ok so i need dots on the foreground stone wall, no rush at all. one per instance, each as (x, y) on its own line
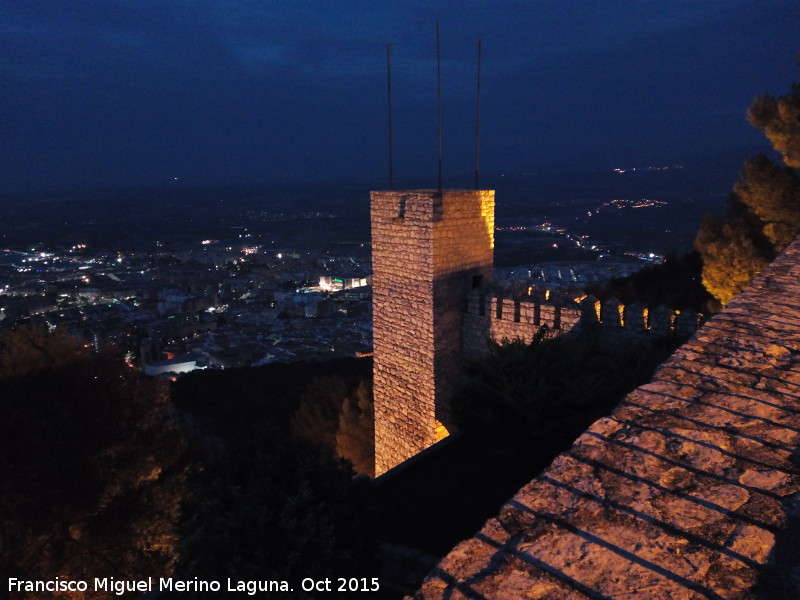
(690, 489)
(429, 249)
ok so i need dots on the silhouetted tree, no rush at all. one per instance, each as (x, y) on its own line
(232, 404)
(355, 438)
(29, 349)
(277, 509)
(91, 464)
(317, 417)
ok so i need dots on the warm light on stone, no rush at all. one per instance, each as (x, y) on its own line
(429, 250)
(441, 431)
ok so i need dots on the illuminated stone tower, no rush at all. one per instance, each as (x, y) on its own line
(429, 249)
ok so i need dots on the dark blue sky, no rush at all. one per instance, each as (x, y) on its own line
(223, 91)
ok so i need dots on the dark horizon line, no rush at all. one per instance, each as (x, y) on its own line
(378, 181)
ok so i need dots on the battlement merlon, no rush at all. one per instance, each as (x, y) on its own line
(457, 224)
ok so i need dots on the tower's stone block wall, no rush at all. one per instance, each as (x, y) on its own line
(429, 249)
(689, 489)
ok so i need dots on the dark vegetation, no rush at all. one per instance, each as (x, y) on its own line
(271, 499)
(544, 394)
(277, 508)
(92, 466)
(326, 403)
(341, 420)
(94, 470)
(232, 404)
(675, 283)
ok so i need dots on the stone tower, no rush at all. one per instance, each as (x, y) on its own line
(429, 250)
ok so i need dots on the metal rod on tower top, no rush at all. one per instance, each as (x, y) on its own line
(478, 120)
(389, 109)
(439, 100)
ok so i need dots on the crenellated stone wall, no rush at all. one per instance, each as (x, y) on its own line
(688, 490)
(491, 315)
(494, 315)
(429, 249)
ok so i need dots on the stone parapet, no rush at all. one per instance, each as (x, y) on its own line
(689, 489)
(492, 315)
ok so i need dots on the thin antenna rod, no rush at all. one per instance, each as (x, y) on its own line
(389, 110)
(439, 99)
(478, 121)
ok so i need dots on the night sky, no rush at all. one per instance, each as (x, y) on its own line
(99, 94)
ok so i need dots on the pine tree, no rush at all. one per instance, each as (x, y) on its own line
(778, 119)
(763, 214)
(771, 193)
(731, 259)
